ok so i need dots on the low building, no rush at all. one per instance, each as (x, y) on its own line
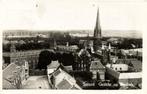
(130, 78)
(15, 74)
(66, 48)
(60, 79)
(134, 64)
(125, 79)
(118, 67)
(98, 70)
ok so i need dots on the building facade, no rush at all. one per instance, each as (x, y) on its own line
(98, 70)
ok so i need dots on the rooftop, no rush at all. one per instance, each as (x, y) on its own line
(9, 75)
(64, 84)
(130, 75)
(96, 65)
(10, 70)
(36, 82)
(54, 64)
(63, 80)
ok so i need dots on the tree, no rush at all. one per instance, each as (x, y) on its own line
(45, 58)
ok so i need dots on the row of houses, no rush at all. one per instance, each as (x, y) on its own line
(125, 75)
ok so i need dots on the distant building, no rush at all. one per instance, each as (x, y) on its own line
(31, 56)
(87, 44)
(67, 48)
(98, 70)
(114, 40)
(10, 34)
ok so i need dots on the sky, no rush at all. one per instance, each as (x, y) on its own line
(71, 14)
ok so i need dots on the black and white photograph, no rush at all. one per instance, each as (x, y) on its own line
(78, 45)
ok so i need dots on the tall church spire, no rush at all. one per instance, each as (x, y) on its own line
(97, 29)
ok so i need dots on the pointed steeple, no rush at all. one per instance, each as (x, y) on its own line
(97, 29)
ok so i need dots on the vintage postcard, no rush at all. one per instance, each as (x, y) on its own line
(72, 45)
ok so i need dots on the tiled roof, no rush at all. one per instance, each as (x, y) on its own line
(8, 75)
(63, 80)
(137, 65)
(10, 69)
(64, 84)
(7, 85)
(96, 65)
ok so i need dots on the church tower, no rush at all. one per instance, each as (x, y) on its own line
(97, 33)
(97, 29)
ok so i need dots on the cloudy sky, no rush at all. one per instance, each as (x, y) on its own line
(71, 14)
